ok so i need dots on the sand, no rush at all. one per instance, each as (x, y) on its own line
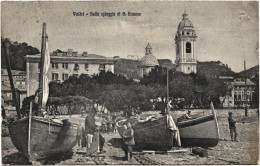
(246, 151)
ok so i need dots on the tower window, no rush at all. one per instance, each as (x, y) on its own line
(188, 47)
(182, 33)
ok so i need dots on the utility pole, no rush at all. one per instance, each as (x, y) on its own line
(245, 89)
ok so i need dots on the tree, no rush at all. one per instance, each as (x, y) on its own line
(17, 51)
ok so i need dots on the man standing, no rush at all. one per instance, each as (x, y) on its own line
(128, 138)
(95, 141)
(232, 127)
(90, 128)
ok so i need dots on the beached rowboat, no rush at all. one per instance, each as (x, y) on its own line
(152, 134)
(201, 131)
(48, 137)
(39, 137)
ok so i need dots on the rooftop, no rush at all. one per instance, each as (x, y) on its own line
(149, 60)
(185, 21)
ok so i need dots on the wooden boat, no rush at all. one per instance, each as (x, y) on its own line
(152, 134)
(47, 137)
(155, 132)
(202, 131)
(39, 137)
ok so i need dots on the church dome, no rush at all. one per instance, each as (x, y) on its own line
(149, 60)
(185, 22)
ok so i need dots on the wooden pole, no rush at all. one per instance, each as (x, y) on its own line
(7, 52)
(40, 90)
(245, 90)
(29, 130)
(167, 110)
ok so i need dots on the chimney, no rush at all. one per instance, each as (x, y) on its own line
(55, 53)
(70, 52)
(85, 53)
(75, 53)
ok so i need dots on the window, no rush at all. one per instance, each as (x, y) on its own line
(188, 68)
(76, 67)
(55, 76)
(55, 65)
(65, 65)
(101, 66)
(39, 66)
(144, 71)
(86, 66)
(188, 47)
(65, 77)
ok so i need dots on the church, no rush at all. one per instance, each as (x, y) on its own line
(185, 40)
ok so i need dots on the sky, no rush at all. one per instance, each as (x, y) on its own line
(227, 31)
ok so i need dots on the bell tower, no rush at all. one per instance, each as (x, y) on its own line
(185, 40)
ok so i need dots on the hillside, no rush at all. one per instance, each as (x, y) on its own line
(17, 53)
(251, 72)
(214, 69)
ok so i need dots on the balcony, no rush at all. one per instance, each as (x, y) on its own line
(188, 60)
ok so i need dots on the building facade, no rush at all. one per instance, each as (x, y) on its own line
(64, 65)
(148, 62)
(19, 79)
(239, 93)
(185, 40)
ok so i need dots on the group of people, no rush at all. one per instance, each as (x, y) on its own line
(91, 138)
(92, 135)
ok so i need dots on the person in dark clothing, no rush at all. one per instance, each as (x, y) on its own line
(232, 128)
(128, 141)
(92, 125)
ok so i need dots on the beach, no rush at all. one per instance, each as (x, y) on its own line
(246, 151)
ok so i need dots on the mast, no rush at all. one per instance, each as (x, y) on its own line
(245, 89)
(167, 110)
(7, 52)
(43, 48)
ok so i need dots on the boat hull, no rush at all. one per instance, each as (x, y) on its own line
(151, 135)
(202, 131)
(47, 137)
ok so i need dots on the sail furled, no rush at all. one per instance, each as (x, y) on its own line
(172, 126)
(45, 77)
